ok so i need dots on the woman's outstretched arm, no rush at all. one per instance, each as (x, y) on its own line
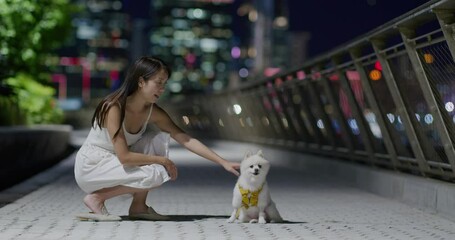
(165, 123)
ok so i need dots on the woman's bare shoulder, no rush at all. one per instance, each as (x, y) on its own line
(158, 113)
(113, 114)
(113, 108)
(158, 108)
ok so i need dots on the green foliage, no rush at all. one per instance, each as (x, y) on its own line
(29, 31)
(10, 113)
(35, 101)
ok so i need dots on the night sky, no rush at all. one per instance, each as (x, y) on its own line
(330, 22)
(334, 22)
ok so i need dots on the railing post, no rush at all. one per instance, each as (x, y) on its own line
(429, 95)
(303, 136)
(356, 112)
(272, 115)
(292, 89)
(235, 98)
(338, 114)
(259, 110)
(206, 109)
(255, 131)
(401, 107)
(304, 106)
(291, 130)
(227, 125)
(368, 90)
(446, 20)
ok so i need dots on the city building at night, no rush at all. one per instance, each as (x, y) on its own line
(94, 59)
(210, 45)
(195, 38)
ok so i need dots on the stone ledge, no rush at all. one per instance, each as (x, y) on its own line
(427, 194)
(26, 151)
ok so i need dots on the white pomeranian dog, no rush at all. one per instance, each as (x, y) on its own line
(251, 201)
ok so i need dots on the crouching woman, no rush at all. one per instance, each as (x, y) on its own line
(126, 151)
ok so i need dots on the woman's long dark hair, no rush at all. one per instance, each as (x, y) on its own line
(144, 67)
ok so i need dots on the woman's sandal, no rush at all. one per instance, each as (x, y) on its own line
(103, 217)
(151, 215)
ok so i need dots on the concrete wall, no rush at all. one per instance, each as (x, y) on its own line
(25, 151)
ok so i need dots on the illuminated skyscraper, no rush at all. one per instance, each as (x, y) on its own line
(93, 61)
(270, 46)
(194, 37)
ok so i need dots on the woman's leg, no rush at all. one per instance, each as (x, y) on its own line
(138, 205)
(95, 201)
(153, 142)
(140, 210)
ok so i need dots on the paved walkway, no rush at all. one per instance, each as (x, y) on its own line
(199, 201)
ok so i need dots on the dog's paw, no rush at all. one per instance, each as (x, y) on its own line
(253, 221)
(262, 220)
(230, 220)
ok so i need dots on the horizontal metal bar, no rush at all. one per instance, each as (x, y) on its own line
(433, 42)
(426, 35)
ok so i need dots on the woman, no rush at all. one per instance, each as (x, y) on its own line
(126, 149)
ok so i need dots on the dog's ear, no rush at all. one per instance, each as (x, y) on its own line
(259, 153)
(247, 154)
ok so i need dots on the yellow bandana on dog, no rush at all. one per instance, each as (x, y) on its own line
(249, 198)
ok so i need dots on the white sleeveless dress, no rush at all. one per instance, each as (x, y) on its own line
(97, 167)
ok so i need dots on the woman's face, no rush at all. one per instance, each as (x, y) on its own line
(152, 88)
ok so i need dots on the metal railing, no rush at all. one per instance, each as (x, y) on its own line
(385, 99)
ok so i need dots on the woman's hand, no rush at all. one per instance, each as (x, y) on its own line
(170, 168)
(231, 167)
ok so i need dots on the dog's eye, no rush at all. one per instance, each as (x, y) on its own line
(259, 166)
(251, 166)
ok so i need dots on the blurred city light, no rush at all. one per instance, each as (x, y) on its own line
(375, 75)
(428, 119)
(428, 57)
(209, 44)
(237, 109)
(186, 120)
(235, 52)
(243, 72)
(449, 106)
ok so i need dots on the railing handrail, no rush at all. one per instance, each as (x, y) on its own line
(385, 98)
(419, 13)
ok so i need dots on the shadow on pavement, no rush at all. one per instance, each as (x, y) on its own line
(190, 218)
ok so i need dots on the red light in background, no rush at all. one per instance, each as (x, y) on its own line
(268, 72)
(352, 75)
(378, 66)
(278, 81)
(334, 77)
